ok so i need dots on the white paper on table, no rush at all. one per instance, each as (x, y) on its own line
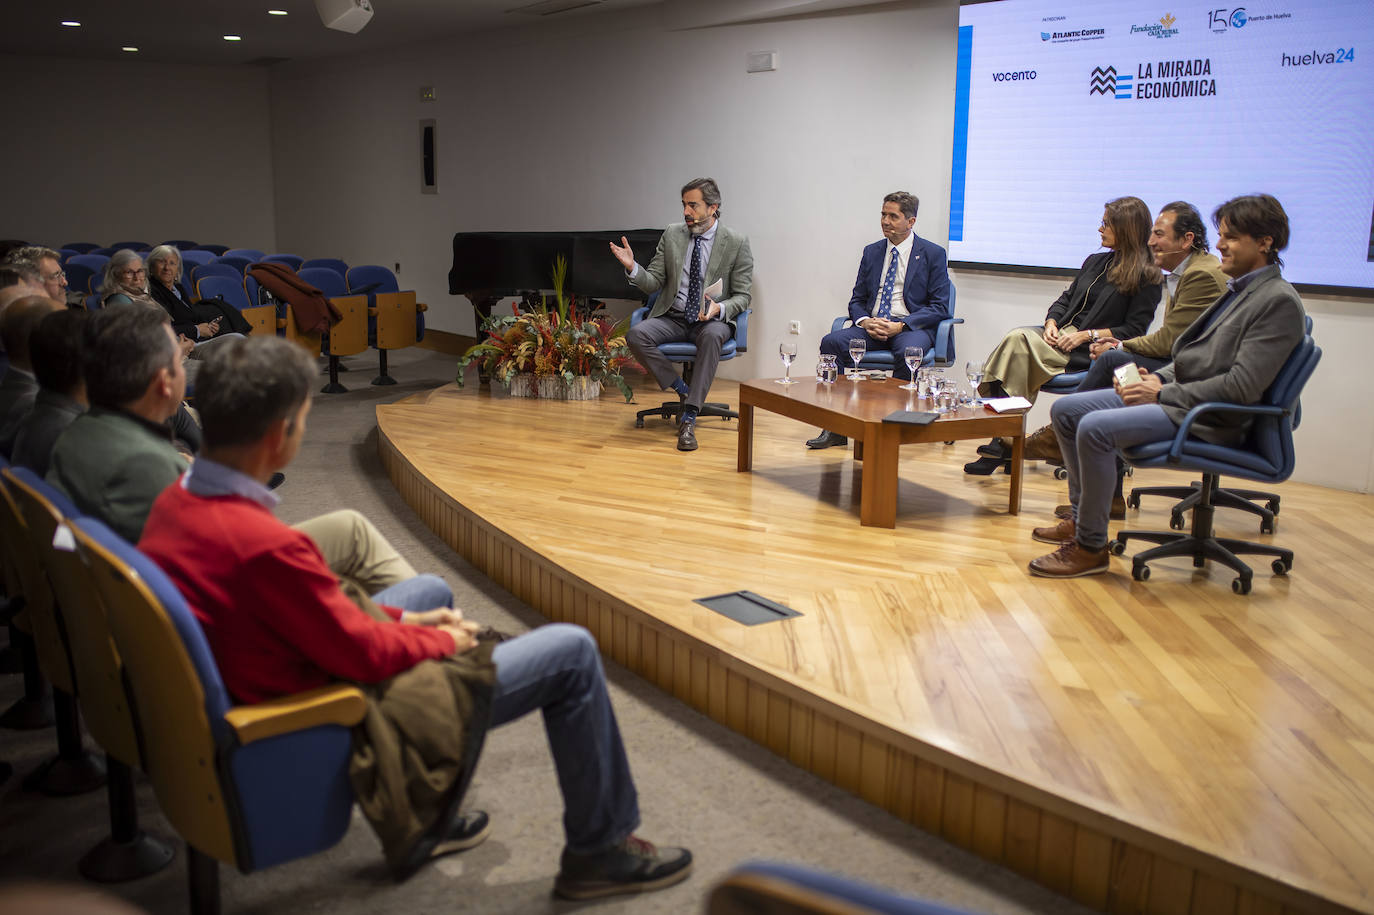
(1003, 404)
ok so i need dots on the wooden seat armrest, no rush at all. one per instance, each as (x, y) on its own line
(372, 311)
(421, 306)
(335, 704)
(281, 323)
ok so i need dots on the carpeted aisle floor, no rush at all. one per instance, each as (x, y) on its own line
(700, 785)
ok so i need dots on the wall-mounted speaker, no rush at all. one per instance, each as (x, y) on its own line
(344, 15)
(429, 178)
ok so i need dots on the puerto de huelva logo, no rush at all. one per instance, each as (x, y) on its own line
(1164, 28)
(1163, 79)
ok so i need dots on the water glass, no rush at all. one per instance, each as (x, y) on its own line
(857, 347)
(912, 356)
(788, 352)
(974, 370)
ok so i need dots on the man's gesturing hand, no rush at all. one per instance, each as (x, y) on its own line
(623, 253)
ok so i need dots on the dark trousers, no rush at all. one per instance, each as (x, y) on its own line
(708, 337)
(1100, 372)
(836, 343)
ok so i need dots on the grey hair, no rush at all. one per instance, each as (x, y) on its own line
(160, 254)
(710, 191)
(109, 284)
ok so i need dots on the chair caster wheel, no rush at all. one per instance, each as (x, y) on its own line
(1133, 501)
(1272, 505)
(1199, 562)
(1116, 547)
(639, 423)
(1266, 526)
(1140, 572)
(1241, 585)
(1176, 522)
(1281, 567)
(1060, 473)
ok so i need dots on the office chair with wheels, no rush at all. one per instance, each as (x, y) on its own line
(1267, 455)
(685, 354)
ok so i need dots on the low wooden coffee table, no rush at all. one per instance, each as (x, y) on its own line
(856, 409)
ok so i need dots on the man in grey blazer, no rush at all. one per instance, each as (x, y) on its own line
(1230, 353)
(691, 256)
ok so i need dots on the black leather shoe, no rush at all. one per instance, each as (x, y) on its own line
(995, 448)
(632, 866)
(687, 437)
(827, 439)
(987, 465)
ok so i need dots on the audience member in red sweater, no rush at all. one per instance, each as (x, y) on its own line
(278, 623)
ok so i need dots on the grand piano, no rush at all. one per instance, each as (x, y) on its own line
(489, 266)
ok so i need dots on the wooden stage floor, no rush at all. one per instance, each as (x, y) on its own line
(1165, 746)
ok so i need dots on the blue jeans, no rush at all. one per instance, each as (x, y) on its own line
(557, 669)
(1091, 426)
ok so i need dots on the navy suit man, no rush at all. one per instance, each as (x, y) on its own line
(900, 295)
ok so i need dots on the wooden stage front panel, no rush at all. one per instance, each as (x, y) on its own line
(1164, 746)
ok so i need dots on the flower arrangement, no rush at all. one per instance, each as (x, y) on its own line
(561, 343)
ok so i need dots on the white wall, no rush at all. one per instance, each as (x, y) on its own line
(597, 122)
(118, 151)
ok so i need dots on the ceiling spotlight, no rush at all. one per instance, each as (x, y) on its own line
(276, 12)
(233, 38)
(128, 49)
(71, 23)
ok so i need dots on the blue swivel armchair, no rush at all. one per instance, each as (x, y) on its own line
(1266, 456)
(686, 355)
(250, 785)
(942, 353)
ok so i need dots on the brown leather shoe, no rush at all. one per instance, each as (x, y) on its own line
(1116, 513)
(1060, 533)
(1071, 560)
(1042, 445)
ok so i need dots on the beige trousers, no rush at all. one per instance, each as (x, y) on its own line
(356, 551)
(1023, 361)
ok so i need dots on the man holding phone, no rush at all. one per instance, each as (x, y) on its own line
(1231, 353)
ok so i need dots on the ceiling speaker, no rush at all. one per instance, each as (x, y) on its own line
(344, 15)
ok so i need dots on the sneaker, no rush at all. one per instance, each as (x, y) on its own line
(466, 831)
(631, 866)
(1071, 560)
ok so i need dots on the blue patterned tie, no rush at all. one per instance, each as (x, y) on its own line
(693, 307)
(885, 301)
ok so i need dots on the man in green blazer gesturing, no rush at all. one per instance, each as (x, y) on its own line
(691, 257)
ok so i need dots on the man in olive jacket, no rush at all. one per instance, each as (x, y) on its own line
(692, 255)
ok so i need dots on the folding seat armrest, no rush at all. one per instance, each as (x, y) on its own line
(336, 704)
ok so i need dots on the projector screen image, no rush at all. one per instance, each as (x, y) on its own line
(1062, 105)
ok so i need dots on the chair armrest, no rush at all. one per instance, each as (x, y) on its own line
(742, 331)
(421, 306)
(839, 323)
(943, 339)
(335, 704)
(1215, 406)
(639, 314)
